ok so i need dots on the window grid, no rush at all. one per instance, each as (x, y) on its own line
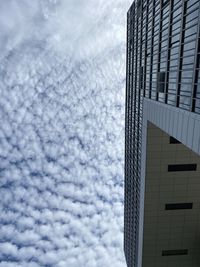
(194, 102)
(169, 51)
(180, 56)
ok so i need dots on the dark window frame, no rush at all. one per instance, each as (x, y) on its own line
(173, 140)
(179, 206)
(175, 252)
(182, 167)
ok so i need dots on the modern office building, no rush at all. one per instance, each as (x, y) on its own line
(162, 134)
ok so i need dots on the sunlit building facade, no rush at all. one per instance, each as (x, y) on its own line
(162, 134)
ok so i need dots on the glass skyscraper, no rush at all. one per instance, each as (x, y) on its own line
(162, 134)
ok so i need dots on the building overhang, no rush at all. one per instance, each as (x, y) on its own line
(182, 125)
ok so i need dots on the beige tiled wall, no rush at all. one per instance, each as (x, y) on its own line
(184, 126)
(174, 229)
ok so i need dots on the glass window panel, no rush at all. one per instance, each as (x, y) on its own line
(188, 60)
(187, 95)
(191, 30)
(192, 15)
(163, 68)
(185, 74)
(157, 7)
(184, 106)
(165, 11)
(161, 97)
(176, 31)
(165, 21)
(173, 80)
(188, 52)
(193, 6)
(162, 65)
(157, 16)
(177, 12)
(174, 56)
(187, 68)
(153, 94)
(175, 38)
(163, 56)
(198, 103)
(189, 45)
(164, 45)
(176, 25)
(191, 38)
(176, 19)
(197, 110)
(172, 86)
(174, 62)
(177, 4)
(173, 68)
(198, 90)
(190, 22)
(172, 74)
(174, 49)
(161, 81)
(165, 2)
(186, 80)
(186, 87)
(171, 99)
(171, 91)
(165, 32)
(155, 38)
(192, 2)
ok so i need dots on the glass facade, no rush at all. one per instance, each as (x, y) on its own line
(163, 62)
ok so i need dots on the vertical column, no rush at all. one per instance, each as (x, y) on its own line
(196, 70)
(168, 50)
(159, 44)
(145, 48)
(151, 52)
(180, 58)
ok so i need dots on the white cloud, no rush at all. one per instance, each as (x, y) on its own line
(62, 73)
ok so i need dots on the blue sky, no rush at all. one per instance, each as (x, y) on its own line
(62, 90)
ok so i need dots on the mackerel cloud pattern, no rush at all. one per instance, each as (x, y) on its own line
(62, 83)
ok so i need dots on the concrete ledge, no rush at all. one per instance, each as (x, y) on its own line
(181, 124)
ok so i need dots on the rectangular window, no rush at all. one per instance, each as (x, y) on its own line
(173, 140)
(174, 252)
(161, 82)
(139, 8)
(182, 167)
(178, 206)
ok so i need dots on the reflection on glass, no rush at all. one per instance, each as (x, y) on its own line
(171, 99)
(161, 97)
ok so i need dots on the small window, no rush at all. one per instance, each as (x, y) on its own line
(178, 206)
(182, 167)
(139, 3)
(161, 82)
(139, 7)
(174, 252)
(173, 140)
(165, 2)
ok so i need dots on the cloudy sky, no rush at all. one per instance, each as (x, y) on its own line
(62, 89)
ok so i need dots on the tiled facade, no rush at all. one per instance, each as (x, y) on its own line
(163, 87)
(171, 212)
